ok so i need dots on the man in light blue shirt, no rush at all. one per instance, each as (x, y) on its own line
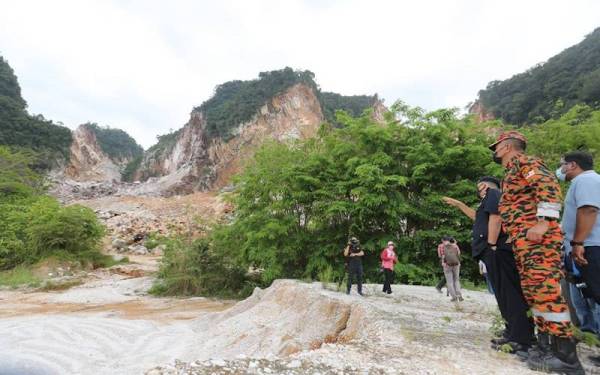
(580, 223)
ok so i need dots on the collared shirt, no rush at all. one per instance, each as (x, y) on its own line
(487, 207)
(529, 189)
(584, 191)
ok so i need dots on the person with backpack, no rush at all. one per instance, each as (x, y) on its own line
(449, 254)
(353, 254)
(388, 260)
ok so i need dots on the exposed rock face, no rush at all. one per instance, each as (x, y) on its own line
(480, 112)
(194, 162)
(88, 162)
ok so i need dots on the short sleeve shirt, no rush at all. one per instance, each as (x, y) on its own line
(487, 207)
(584, 191)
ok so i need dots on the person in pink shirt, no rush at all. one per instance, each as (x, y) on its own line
(388, 260)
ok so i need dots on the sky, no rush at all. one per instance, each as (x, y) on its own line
(143, 65)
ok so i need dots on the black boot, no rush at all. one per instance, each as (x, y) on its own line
(537, 350)
(562, 359)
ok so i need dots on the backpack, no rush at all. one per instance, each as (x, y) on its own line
(451, 256)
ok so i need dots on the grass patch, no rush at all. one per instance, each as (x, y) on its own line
(52, 286)
(469, 285)
(19, 276)
(446, 319)
(498, 324)
(588, 338)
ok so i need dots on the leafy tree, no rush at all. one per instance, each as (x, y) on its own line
(297, 205)
(34, 226)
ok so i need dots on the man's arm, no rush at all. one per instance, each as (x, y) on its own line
(547, 196)
(494, 226)
(346, 250)
(461, 206)
(586, 218)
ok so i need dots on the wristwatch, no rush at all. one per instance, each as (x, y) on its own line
(576, 243)
(493, 246)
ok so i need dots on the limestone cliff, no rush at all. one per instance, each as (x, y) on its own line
(88, 162)
(193, 161)
(480, 112)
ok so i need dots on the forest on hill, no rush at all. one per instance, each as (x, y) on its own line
(550, 89)
(18, 128)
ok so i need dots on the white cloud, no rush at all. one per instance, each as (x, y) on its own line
(142, 65)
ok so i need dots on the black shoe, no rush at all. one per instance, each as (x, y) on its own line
(389, 292)
(538, 349)
(561, 359)
(499, 341)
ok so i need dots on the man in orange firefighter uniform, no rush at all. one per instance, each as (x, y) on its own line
(530, 209)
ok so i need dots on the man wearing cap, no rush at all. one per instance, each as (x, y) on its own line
(529, 207)
(489, 246)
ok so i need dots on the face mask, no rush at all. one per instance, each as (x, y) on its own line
(497, 159)
(560, 174)
(481, 193)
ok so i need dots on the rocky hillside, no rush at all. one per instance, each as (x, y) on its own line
(100, 154)
(548, 89)
(196, 161)
(223, 132)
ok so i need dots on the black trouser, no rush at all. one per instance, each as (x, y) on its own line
(441, 283)
(355, 270)
(503, 274)
(590, 273)
(389, 278)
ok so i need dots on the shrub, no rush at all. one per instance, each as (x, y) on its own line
(73, 229)
(192, 268)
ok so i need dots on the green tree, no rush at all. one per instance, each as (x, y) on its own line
(296, 205)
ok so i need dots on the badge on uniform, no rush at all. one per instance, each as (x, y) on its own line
(530, 174)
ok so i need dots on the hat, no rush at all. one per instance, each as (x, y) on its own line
(354, 240)
(391, 243)
(513, 134)
(491, 179)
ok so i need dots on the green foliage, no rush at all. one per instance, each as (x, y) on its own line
(116, 143)
(19, 129)
(35, 226)
(131, 168)
(9, 86)
(576, 129)
(353, 105)
(192, 267)
(52, 228)
(296, 205)
(18, 276)
(550, 89)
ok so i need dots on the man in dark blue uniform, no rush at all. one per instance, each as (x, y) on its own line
(490, 245)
